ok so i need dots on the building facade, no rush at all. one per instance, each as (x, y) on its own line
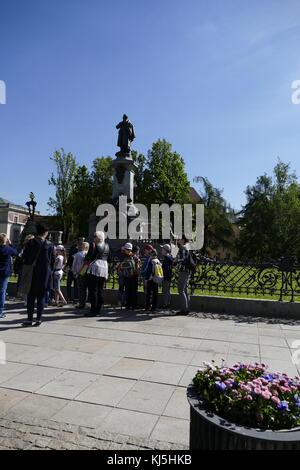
(12, 219)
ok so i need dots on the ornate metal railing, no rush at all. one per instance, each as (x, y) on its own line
(279, 280)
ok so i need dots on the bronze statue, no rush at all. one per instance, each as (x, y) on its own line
(125, 137)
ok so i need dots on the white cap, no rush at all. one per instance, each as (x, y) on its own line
(166, 247)
(127, 246)
(60, 247)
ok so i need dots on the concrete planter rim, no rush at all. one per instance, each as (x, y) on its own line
(281, 435)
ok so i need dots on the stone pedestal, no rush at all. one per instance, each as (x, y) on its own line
(123, 178)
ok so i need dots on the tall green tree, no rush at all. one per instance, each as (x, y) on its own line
(63, 181)
(90, 189)
(101, 181)
(81, 201)
(270, 219)
(164, 173)
(218, 215)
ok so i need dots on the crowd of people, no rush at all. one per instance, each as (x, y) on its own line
(40, 267)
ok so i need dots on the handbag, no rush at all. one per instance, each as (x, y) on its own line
(26, 277)
(84, 268)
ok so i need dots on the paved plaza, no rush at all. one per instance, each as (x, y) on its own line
(119, 381)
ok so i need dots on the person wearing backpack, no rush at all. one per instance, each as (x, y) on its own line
(184, 268)
(167, 266)
(153, 278)
(128, 269)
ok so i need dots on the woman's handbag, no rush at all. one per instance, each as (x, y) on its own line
(26, 277)
(84, 268)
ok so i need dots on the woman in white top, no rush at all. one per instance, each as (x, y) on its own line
(97, 272)
(60, 262)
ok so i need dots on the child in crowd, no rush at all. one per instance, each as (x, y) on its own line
(60, 262)
(78, 260)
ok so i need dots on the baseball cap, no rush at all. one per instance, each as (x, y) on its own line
(127, 246)
(60, 247)
(166, 247)
(148, 247)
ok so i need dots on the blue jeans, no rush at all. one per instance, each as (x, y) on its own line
(3, 287)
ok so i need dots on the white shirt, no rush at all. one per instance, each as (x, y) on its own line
(78, 261)
(59, 264)
(98, 268)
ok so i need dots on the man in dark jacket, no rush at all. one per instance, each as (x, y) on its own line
(183, 275)
(167, 266)
(6, 252)
(41, 252)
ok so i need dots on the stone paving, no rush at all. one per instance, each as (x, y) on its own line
(119, 381)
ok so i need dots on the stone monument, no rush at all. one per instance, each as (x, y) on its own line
(123, 180)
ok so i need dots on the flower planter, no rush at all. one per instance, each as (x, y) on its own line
(211, 432)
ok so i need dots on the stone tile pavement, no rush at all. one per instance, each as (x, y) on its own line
(119, 381)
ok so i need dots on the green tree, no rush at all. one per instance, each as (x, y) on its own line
(164, 173)
(63, 181)
(90, 189)
(101, 181)
(218, 215)
(81, 201)
(270, 220)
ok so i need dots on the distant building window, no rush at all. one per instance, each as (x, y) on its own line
(16, 219)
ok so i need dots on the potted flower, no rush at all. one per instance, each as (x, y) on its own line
(244, 407)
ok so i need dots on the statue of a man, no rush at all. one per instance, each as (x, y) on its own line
(125, 137)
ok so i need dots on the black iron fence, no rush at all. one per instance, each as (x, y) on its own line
(278, 280)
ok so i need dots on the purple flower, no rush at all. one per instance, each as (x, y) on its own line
(220, 385)
(283, 406)
(297, 401)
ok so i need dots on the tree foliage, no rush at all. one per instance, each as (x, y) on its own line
(63, 180)
(270, 220)
(218, 230)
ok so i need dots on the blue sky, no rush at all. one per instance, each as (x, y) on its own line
(212, 77)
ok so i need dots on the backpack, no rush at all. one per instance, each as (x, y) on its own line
(191, 262)
(158, 272)
(127, 268)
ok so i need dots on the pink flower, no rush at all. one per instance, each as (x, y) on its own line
(257, 391)
(266, 395)
(248, 397)
(275, 399)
